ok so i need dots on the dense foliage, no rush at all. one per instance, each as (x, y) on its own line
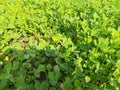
(59, 44)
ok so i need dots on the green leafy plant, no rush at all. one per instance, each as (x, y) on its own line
(59, 45)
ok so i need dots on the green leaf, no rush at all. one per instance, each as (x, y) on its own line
(8, 67)
(41, 68)
(51, 77)
(20, 82)
(15, 65)
(26, 56)
(52, 88)
(77, 84)
(49, 67)
(103, 44)
(113, 82)
(3, 84)
(67, 85)
(41, 85)
(56, 68)
(26, 65)
(37, 85)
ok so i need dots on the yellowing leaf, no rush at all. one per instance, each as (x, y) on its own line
(1, 52)
(89, 40)
(1, 63)
(11, 58)
(56, 37)
(42, 44)
(115, 34)
(6, 58)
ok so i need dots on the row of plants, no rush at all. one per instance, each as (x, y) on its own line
(59, 45)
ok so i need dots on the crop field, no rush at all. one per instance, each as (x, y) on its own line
(59, 44)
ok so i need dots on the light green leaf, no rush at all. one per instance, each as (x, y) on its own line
(115, 33)
(56, 37)
(87, 78)
(77, 84)
(56, 68)
(42, 44)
